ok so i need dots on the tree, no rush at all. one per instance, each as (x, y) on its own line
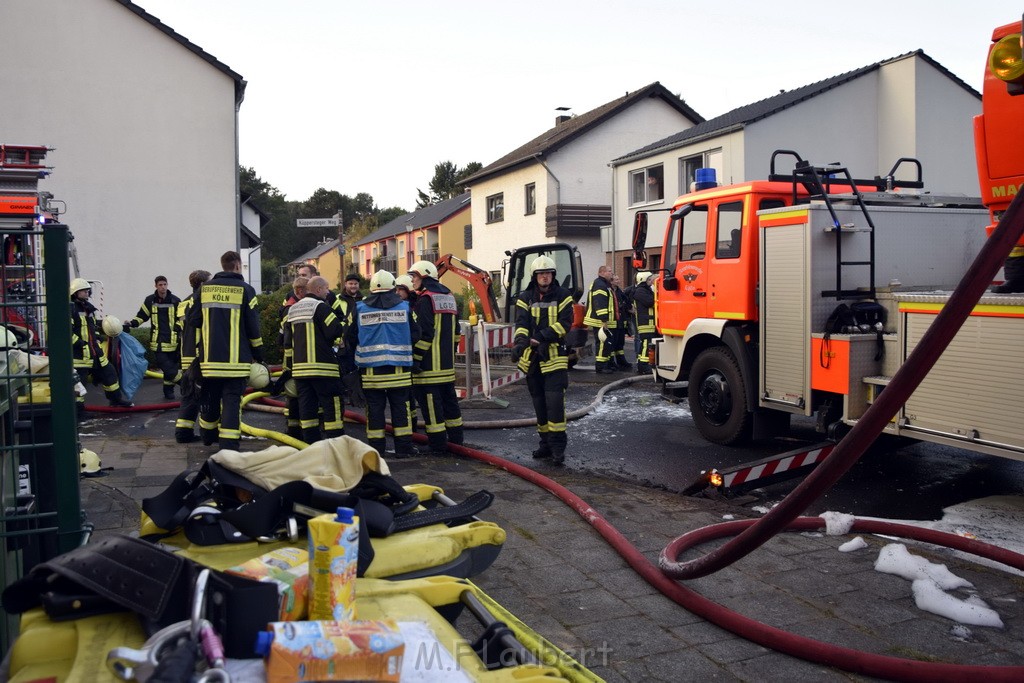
(446, 182)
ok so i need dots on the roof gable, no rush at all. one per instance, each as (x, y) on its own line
(421, 218)
(554, 138)
(240, 82)
(749, 113)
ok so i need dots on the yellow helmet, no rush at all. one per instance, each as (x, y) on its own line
(111, 326)
(259, 376)
(642, 276)
(404, 281)
(382, 281)
(78, 284)
(90, 463)
(424, 269)
(543, 264)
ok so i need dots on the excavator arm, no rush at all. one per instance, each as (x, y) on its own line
(480, 280)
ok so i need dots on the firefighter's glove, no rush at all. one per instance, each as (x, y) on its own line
(126, 326)
(519, 348)
(257, 354)
(543, 351)
(416, 362)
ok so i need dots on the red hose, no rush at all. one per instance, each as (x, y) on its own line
(170, 405)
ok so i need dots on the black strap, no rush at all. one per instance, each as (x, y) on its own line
(478, 502)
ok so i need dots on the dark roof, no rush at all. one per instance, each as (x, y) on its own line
(316, 252)
(421, 218)
(192, 47)
(551, 140)
(747, 114)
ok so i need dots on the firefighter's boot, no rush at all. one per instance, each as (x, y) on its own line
(379, 445)
(543, 451)
(169, 392)
(209, 436)
(557, 455)
(117, 400)
(1013, 271)
(184, 435)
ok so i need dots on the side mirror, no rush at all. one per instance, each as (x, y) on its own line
(670, 283)
(639, 239)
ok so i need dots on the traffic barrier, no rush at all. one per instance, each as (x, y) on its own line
(483, 338)
(773, 466)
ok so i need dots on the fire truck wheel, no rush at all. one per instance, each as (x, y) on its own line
(718, 397)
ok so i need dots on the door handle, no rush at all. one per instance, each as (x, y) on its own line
(700, 293)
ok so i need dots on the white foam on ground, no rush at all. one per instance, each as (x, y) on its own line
(837, 523)
(930, 581)
(855, 544)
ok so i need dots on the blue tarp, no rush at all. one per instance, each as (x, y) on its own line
(133, 364)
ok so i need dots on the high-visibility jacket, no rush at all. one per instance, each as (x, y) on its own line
(643, 308)
(187, 334)
(602, 305)
(546, 317)
(227, 316)
(437, 315)
(311, 330)
(85, 347)
(382, 332)
(162, 313)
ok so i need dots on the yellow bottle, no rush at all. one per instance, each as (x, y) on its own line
(333, 561)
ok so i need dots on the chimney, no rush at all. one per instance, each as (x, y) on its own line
(561, 118)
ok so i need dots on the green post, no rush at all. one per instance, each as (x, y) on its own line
(62, 386)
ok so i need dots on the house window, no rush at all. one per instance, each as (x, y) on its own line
(647, 185)
(531, 198)
(496, 207)
(688, 168)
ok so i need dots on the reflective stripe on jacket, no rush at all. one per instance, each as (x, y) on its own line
(311, 330)
(602, 306)
(161, 313)
(546, 318)
(438, 320)
(227, 313)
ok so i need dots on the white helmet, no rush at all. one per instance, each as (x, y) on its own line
(78, 284)
(291, 389)
(424, 269)
(259, 376)
(382, 281)
(111, 326)
(8, 340)
(404, 281)
(643, 276)
(543, 264)
(90, 462)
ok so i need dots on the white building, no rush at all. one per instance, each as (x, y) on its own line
(867, 119)
(557, 187)
(145, 135)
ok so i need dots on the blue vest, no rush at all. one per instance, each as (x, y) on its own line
(384, 336)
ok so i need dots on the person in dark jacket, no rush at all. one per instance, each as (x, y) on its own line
(543, 317)
(603, 317)
(433, 378)
(311, 331)
(381, 333)
(227, 317)
(291, 403)
(624, 314)
(188, 411)
(642, 298)
(161, 309)
(86, 351)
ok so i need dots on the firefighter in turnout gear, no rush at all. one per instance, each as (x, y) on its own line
(543, 317)
(434, 357)
(311, 331)
(603, 316)
(184, 427)
(381, 333)
(226, 315)
(161, 308)
(85, 347)
(291, 403)
(642, 296)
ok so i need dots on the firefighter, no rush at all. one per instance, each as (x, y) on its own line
(642, 296)
(1013, 272)
(161, 308)
(86, 350)
(543, 317)
(311, 331)
(602, 315)
(381, 333)
(624, 316)
(184, 427)
(291, 403)
(227, 315)
(433, 380)
(345, 306)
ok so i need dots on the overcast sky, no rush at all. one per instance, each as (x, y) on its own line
(367, 96)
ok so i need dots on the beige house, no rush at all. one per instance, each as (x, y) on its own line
(144, 126)
(557, 187)
(867, 119)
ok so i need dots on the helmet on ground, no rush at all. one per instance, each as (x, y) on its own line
(543, 264)
(90, 462)
(78, 284)
(111, 326)
(643, 276)
(382, 281)
(404, 281)
(259, 376)
(291, 389)
(8, 340)
(424, 269)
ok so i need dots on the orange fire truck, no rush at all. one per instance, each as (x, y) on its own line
(804, 293)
